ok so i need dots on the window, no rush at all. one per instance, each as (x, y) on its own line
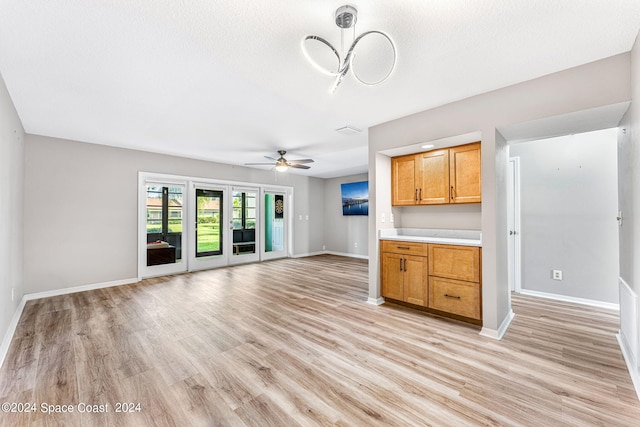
(244, 210)
(164, 216)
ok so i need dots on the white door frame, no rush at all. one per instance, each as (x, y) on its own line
(513, 221)
(287, 224)
(163, 269)
(247, 257)
(189, 183)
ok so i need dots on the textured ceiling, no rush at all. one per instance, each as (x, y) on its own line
(226, 80)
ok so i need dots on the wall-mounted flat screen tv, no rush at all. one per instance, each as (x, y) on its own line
(355, 198)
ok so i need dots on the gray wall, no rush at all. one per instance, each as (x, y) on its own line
(343, 232)
(569, 202)
(597, 84)
(11, 229)
(81, 206)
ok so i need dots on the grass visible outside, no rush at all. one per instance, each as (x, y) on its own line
(208, 237)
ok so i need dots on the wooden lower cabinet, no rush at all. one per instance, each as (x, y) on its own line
(455, 296)
(404, 278)
(446, 278)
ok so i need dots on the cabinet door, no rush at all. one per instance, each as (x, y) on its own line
(455, 262)
(403, 184)
(415, 280)
(433, 177)
(392, 276)
(465, 174)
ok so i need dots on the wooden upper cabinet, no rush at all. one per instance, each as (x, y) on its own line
(432, 177)
(403, 181)
(450, 175)
(465, 174)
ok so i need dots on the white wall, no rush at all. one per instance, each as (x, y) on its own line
(344, 232)
(81, 209)
(597, 84)
(569, 203)
(11, 208)
(629, 204)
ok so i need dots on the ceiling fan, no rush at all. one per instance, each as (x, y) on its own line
(283, 164)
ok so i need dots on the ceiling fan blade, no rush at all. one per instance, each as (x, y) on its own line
(253, 164)
(270, 158)
(300, 161)
(293, 165)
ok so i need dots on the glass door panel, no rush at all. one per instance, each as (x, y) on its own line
(244, 222)
(164, 224)
(208, 219)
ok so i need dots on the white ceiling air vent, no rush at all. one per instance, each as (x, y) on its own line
(348, 130)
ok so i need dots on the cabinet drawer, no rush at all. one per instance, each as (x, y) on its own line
(455, 262)
(409, 248)
(455, 296)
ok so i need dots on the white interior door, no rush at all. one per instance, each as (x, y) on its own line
(513, 223)
(243, 225)
(275, 224)
(163, 237)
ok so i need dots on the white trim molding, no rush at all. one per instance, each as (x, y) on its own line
(6, 342)
(81, 288)
(575, 300)
(347, 254)
(498, 334)
(628, 336)
(375, 301)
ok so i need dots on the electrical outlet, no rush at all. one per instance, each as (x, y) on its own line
(306, 217)
(382, 217)
(324, 248)
(556, 274)
(13, 294)
(391, 218)
(355, 245)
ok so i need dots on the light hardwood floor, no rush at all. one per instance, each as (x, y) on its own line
(293, 342)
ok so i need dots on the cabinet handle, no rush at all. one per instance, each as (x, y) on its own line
(451, 296)
(400, 264)
(405, 264)
(416, 194)
(403, 247)
(420, 198)
(451, 193)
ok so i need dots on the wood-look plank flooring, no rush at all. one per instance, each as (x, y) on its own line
(293, 342)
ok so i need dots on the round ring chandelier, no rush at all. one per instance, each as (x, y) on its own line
(346, 17)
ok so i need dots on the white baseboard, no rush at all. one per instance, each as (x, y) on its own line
(628, 335)
(497, 334)
(375, 301)
(565, 298)
(347, 255)
(6, 342)
(631, 365)
(82, 288)
(330, 253)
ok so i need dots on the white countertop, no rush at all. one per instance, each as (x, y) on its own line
(433, 235)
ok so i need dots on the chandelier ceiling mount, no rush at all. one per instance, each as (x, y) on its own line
(346, 17)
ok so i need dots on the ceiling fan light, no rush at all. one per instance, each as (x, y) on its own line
(282, 168)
